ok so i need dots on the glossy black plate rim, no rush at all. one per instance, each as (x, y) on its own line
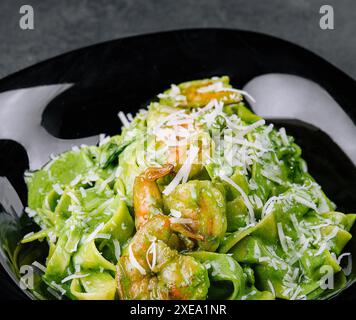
(341, 80)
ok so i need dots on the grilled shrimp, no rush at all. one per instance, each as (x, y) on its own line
(200, 92)
(147, 197)
(200, 209)
(200, 206)
(151, 267)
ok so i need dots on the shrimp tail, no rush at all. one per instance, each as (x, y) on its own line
(153, 174)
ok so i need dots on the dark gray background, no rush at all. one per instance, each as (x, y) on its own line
(63, 25)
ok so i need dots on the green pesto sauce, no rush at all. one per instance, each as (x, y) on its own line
(275, 229)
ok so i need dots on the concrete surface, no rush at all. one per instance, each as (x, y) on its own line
(65, 25)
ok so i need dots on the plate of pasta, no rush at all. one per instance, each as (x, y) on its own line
(203, 176)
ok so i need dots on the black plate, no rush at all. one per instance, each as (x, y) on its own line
(125, 74)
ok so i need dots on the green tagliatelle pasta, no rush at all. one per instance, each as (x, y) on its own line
(197, 198)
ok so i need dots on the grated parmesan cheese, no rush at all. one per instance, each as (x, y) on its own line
(282, 133)
(183, 173)
(181, 220)
(244, 197)
(152, 250)
(93, 235)
(75, 181)
(282, 237)
(73, 197)
(175, 213)
(39, 266)
(123, 119)
(74, 276)
(117, 249)
(271, 287)
(30, 212)
(134, 262)
(56, 187)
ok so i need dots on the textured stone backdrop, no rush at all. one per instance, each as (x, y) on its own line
(63, 25)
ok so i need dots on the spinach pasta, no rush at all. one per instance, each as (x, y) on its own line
(197, 198)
